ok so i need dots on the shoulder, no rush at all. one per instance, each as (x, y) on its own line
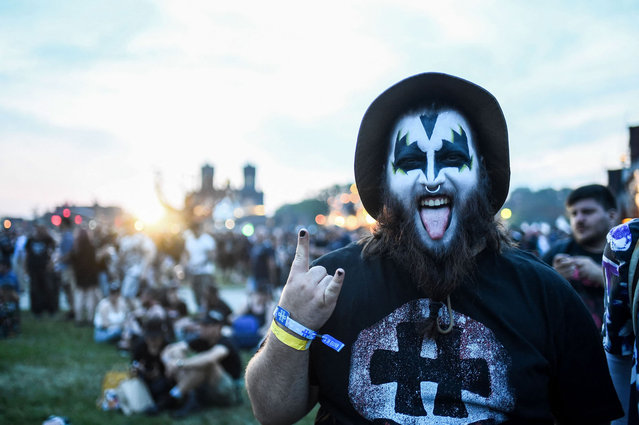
(523, 264)
(350, 255)
(529, 273)
(520, 259)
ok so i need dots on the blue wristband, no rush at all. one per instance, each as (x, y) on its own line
(283, 317)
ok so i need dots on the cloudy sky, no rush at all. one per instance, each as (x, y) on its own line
(99, 97)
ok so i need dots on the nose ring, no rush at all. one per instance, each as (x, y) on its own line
(435, 190)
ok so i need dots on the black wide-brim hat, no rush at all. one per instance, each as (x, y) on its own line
(476, 104)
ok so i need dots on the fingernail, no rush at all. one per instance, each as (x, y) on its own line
(340, 273)
(302, 233)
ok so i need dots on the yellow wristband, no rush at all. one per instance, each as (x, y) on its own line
(288, 339)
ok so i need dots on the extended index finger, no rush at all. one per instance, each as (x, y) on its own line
(300, 262)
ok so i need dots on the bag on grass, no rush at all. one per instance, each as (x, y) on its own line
(108, 399)
(134, 396)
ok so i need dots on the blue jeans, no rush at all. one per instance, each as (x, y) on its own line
(107, 334)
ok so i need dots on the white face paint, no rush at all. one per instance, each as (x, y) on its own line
(432, 169)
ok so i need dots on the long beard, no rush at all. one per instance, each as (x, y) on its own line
(438, 271)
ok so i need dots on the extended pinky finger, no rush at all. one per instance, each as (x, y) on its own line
(333, 286)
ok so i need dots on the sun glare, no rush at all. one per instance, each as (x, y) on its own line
(150, 213)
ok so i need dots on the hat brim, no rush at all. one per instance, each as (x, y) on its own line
(477, 105)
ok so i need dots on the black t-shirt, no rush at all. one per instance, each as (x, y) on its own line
(39, 250)
(523, 349)
(259, 258)
(232, 363)
(592, 296)
(151, 364)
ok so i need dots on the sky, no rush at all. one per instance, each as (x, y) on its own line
(99, 99)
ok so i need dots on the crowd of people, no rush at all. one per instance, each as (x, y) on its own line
(130, 287)
(155, 298)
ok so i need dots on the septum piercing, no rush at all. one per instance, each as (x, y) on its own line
(433, 191)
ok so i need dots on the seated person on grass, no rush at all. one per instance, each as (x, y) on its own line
(207, 369)
(147, 362)
(110, 315)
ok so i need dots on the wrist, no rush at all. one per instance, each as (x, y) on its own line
(284, 319)
(289, 339)
(300, 332)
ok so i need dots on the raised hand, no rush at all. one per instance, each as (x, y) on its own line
(310, 295)
(565, 266)
(588, 271)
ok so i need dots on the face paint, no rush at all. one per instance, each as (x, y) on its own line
(453, 153)
(431, 170)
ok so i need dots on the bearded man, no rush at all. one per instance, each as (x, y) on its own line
(435, 318)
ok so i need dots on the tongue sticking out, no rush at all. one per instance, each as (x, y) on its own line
(435, 221)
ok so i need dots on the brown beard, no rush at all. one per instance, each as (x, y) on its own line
(435, 272)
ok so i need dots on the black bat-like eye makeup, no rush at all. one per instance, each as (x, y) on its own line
(453, 152)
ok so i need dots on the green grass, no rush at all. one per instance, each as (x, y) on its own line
(55, 368)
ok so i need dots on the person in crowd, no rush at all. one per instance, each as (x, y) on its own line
(250, 324)
(7, 244)
(85, 270)
(592, 210)
(176, 310)
(199, 257)
(435, 317)
(135, 257)
(146, 362)
(620, 272)
(106, 256)
(262, 266)
(211, 300)
(534, 238)
(9, 300)
(187, 328)
(110, 316)
(64, 267)
(18, 259)
(43, 290)
(284, 254)
(207, 369)
(148, 306)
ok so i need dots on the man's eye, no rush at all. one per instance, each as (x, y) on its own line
(411, 163)
(454, 159)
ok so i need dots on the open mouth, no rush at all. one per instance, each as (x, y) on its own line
(434, 212)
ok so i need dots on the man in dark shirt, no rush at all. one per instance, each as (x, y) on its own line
(147, 362)
(593, 212)
(262, 266)
(435, 318)
(206, 369)
(43, 294)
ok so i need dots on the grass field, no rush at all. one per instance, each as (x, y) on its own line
(55, 368)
